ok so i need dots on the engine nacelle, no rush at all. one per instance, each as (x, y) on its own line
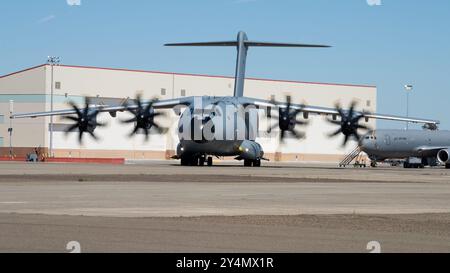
(444, 156)
(251, 150)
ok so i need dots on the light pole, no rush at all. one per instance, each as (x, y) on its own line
(408, 89)
(52, 61)
(10, 129)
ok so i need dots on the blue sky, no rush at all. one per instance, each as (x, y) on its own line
(389, 45)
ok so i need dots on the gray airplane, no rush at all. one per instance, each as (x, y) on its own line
(222, 126)
(419, 147)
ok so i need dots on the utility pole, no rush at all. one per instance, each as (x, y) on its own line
(408, 89)
(52, 61)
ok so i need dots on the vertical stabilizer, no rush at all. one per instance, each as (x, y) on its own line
(239, 78)
(243, 45)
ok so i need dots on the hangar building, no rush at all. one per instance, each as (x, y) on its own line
(30, 90)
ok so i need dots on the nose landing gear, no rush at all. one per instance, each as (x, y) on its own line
(208, 160)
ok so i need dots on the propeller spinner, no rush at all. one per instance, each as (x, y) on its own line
(143, 117)
(287, 121)
(85, 121)
(349, 123)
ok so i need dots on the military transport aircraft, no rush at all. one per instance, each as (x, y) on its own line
(222, 126)
(419, 147)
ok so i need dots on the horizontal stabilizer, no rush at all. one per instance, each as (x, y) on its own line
(242, 44)
(247, 43)
(269, 44)
(223, 43)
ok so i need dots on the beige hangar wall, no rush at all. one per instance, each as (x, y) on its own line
(27, 90)
(76, 82)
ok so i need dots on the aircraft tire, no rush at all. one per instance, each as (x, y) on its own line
(202, 161)
(257, 163)
(210, 161)
(194, 161)
(247, 163)
(447, 166)
(184, 161)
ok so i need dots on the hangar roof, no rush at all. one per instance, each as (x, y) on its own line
(185, 74)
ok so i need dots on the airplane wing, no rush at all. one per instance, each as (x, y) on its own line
(168, 104)
(431, 150)
(160, 104)
(332, 111)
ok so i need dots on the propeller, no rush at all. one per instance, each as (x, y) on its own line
(85, 120)
(349, 123)
(143, 117)
(287, 120)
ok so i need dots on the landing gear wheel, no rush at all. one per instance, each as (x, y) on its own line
(373, 164)
(184, 161)
(257, 163)
(447, 166)
(210, 161)
(194, 161)
(247, 163)
(202, 161)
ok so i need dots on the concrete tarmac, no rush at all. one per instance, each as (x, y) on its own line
(279, 207)
(303, 233)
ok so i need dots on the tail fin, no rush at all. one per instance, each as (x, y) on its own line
(242, 43)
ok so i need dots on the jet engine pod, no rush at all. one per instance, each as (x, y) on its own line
(444, 156)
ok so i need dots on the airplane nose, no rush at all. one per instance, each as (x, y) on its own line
(364, 143)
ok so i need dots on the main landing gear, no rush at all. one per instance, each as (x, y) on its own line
(196, 161)
(204, 160)
(254, 163)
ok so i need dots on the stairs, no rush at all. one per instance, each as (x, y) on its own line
(350, 157)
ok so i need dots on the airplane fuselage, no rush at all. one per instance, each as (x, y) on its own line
(389, 144)
(219, 126)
